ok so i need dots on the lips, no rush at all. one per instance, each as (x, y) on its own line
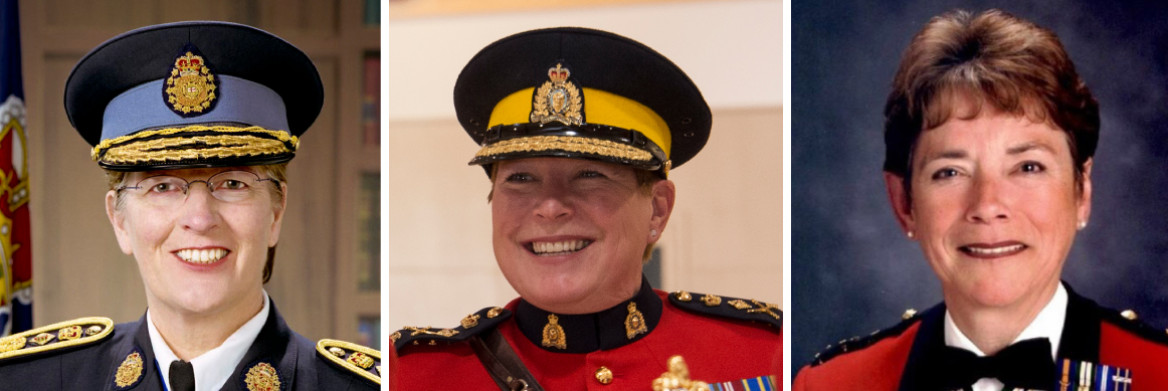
(993, 250)
(562, 247)
(201, 256)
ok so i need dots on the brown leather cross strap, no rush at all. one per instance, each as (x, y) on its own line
(502, 362)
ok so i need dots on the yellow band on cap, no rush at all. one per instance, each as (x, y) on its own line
(600, 108)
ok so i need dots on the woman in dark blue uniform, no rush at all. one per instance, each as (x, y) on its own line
(194, 123)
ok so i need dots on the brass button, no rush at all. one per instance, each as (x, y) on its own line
(1129, 315)
(604, 375)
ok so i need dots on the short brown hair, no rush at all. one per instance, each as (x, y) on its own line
(278, 171)
(993, 58)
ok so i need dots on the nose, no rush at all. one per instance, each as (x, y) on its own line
(554, 204)
(200, 210)
(987, 204)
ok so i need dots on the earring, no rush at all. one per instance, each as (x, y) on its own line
(910, 234)
(1082, 224)
(653, 233)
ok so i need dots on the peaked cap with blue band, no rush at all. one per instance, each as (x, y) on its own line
(193, 94)
(580, 93)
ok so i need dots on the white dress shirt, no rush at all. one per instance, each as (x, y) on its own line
(213, 368)
(1048, 324)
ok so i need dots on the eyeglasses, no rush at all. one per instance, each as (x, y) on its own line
(226, 186)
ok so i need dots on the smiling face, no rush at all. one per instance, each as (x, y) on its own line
(995, 206)
(569, 234)
(201, 256)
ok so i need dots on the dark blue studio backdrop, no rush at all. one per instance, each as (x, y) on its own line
(853, 271)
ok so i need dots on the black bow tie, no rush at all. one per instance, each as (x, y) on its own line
(1026, 364)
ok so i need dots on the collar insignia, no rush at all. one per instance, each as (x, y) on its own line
(262, 377)
(191, 87)
(129, 372)
(558, 99)
(553, 334)
(634, 322)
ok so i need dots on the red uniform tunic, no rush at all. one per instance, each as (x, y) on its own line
(899, 358)
(716, 345)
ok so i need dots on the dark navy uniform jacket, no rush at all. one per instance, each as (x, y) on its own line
(904, 357)
(94, 366)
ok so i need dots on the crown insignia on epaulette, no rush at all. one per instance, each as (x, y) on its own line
(61, 335)
(558, 99)
(355, 358)
(190, 88)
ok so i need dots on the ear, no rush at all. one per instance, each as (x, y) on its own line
(662, 194)
(1085, 193)
(278, 216)
(901, 202)
(118, 221)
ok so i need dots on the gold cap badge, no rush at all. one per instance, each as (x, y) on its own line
(558, 99)
(191, 88)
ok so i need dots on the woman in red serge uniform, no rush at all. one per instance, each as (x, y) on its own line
(990, 135)
(579, 129)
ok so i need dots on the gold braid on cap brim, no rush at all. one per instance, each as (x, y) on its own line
(573, 144)
(194, 142)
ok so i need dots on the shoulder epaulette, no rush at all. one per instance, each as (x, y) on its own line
(55, 337)
(729, 307)
(471, 325)
(1129, 321)
(856, 343)
(355, 358)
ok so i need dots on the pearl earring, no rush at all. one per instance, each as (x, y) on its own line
(653, 233)
(910, 234)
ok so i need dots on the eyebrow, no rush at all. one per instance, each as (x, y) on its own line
(1020, 149)
(1015, 150)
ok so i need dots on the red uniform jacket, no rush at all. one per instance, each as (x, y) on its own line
(903, 357)
(727, 341)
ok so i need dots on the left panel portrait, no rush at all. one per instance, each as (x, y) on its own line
(201, 186)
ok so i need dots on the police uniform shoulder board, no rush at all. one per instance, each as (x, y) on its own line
(729, 307)
(852, 344)
(358, 359)
(55, 337)
(472, 324)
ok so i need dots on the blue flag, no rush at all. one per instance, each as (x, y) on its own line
(15, 237)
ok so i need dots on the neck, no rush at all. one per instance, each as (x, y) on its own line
(992, 329)
(596, 302)
(189, 334)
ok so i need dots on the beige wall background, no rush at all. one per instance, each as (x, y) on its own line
(78, 269)
(725, 234)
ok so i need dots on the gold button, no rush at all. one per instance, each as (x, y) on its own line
(1129, 315)
(603, 375)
